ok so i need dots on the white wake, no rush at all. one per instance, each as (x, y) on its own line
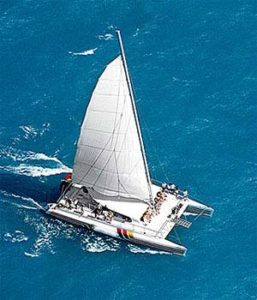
(35, 171)
(32, 164)
(20, 201)
(84, 53)
(138, 250)
(106, 37)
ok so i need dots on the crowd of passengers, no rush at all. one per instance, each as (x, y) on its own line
(71, 204)
(161, 197)
(155, 207)
(102, 212)
(174, 190)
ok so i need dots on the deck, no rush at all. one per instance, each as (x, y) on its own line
(160, 225)
(164, 223)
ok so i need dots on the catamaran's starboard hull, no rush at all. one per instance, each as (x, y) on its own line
(120, 233)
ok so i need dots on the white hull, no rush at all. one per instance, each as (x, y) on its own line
(117, 232)
(196, 208)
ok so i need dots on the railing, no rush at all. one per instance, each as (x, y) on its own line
(128, 226)
(183, 223)
(170, 222)
(165, 226)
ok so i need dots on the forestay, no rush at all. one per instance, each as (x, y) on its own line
(109, 156)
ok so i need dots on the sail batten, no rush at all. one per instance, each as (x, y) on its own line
(109, 155)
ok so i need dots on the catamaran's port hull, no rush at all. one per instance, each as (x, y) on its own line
(197, 208)
(120, 233)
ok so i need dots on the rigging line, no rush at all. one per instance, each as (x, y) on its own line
(126, 132)
(114, 128)
(126, 190)
(148, 134)
(118, 124)
(132, 169)
(117, 173)
(134, 112)
(103, 149)
(157, 156)
(94, 161)
(109, 158)
(116, 165)
(175, 231)
(111, 190)
(124, 137)
(128, 124)
(119, 182)
(161, 165)
(126, 101)
(151, 143)
(64, 192)
(100, 168)
(199, 214)
(125, 87)
(108, 140)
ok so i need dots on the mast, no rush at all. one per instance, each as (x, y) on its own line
(135, 112)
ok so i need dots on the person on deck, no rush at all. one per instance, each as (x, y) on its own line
(185, 194)
(164, 186)
(68, 176)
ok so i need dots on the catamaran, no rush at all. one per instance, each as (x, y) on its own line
(110, 190)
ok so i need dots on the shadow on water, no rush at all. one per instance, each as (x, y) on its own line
(42, 190)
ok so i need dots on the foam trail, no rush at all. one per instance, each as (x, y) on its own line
(96, 244)
(42, 156)
(17, 236)
(84, 53)
(137, 250)
(30, 163)
(136, 33)
(106, 37)
(23, 156)
(29, 131)
(30, 200)
(35, 171)
(19, 205)
(31, 254)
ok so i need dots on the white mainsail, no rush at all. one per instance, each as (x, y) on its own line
(109, 155)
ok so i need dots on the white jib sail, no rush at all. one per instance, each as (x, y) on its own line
(109, 156)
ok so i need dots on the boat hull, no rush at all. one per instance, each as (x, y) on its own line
(117, 232)
(197, 208)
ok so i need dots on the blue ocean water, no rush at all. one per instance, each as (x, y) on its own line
(193, 65)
